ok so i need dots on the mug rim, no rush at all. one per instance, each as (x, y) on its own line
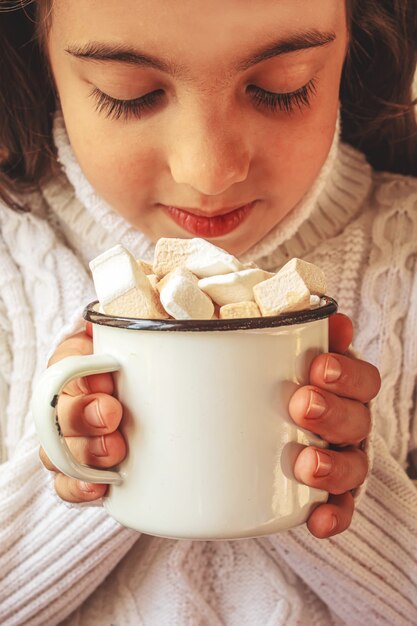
(287, 319)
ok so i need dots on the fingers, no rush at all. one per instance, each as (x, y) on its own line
(82, 343)
(89, 423)
(335, 471)
(346, 377)
(340, 333)
(72, 490)
(88, 416)
(338, 420)
(95, 414)
(105, 451)
(46, 461)
(333, 406)
(333, 517)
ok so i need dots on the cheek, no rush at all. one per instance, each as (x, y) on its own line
(119, 171)
(299, 148)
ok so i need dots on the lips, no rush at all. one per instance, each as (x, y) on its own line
(199, 224)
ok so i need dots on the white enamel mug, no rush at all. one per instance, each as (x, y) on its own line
(211, 446)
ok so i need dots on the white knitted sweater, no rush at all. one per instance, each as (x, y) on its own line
(77, 566)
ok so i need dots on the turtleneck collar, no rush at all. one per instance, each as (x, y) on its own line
(336, 196)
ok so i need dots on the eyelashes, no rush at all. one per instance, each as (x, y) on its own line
(134, 109)
(126, 109)
(287, 102)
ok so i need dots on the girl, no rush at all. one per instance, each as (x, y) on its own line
(266, 128)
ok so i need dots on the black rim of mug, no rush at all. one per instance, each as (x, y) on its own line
(328, 308)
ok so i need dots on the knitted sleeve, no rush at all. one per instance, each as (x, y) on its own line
(52, 557)
(368, 574)
(5, 366)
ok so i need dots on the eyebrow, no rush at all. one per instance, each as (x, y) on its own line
(101, 51)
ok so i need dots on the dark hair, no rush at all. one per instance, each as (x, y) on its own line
(27, 103)
(378, 110)
(378, 114)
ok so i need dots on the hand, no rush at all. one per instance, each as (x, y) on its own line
(334, 407)
(89, 417)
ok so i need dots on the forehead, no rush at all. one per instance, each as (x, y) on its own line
(191, 27)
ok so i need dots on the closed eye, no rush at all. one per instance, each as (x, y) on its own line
(286, 102)
(126, 109)
(113, 108)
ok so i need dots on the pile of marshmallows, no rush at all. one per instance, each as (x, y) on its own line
(193, 279)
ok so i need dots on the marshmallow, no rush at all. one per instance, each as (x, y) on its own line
(200, 281)
(145, 266)
(197, 255)
(312, 275)
(122, 287)
(216, 314)
(282, 294)
(315, 301)
(182, 298)
(234, 287)
(153, 279)
(290, 289)
(250, 265)
(114, 273)
(137, 304)
(239, 310)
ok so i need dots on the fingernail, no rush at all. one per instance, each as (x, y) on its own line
(97, 446)
(332, 371)
(316, 405)
(333, 524)
(324, 464)
(93, 416)
(85, 486)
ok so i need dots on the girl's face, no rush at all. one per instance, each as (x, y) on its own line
(200, 105)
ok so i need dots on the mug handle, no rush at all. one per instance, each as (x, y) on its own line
(44, 401)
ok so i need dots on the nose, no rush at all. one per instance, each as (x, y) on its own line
(209, 154)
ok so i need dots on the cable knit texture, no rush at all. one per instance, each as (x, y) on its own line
(76, 566)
